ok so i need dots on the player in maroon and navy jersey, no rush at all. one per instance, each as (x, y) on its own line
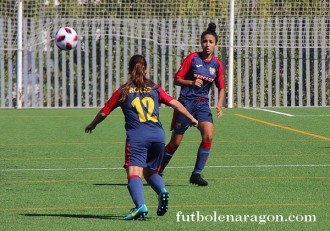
(198, 71)
(139, 99)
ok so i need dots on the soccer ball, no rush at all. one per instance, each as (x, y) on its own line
(66, 38)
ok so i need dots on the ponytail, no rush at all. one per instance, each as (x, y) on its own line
(137, 69)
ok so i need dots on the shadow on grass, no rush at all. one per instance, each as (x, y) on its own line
(146, 185)
(111, 184)
(83, 216)
(177, 185)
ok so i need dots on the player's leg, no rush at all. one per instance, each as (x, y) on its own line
(135, 188)
(178, 127)
(204, 115)
(135, 185)
(206, 130)
(155, 156)
(134, 164)
(157, 184)
(170, 149)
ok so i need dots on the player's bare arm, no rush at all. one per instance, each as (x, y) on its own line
(220, 102)
(176, 105)
(98, 119)
(186, 83)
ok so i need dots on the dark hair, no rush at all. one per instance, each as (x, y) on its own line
(137, 67)
(210, 30)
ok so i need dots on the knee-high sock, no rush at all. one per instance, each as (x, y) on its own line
(169, 151)
(135, 188)
(156, 182)
(202, 156)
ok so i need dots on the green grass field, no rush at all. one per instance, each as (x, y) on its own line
(264, 165)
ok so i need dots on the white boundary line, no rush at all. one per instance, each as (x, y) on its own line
(312, 115)
(179, 167)
(275, 112)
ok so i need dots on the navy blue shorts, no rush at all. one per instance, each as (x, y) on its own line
(200, 109)
(144, 154)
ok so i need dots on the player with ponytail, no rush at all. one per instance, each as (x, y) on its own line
(139, 99)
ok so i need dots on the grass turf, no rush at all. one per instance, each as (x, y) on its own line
(53, 176)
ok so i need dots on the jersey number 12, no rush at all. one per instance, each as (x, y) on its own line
(148, 103)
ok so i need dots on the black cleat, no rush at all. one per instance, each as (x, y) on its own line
(197, 179)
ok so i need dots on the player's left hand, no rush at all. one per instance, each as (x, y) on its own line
(219, 111)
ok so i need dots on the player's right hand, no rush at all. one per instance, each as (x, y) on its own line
(194, 123)
(89, 128)
(197, 83)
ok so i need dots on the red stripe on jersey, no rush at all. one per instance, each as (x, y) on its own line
(112, 102)
(185, 66)
(206, 145)
(164, 97)
(221, 79)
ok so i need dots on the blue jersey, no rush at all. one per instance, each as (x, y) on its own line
(141, 111)
(194, 67)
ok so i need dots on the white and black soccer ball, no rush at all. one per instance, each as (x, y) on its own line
(66, 38)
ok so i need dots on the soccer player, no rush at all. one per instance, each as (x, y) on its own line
(197, 73)
(139, 99)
